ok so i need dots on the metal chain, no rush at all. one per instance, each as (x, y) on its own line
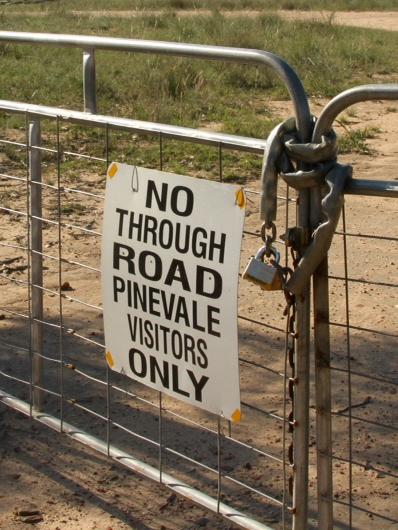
(290, 313)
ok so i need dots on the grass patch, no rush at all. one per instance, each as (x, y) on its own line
(356, 141)
(339, 5)
(327, 58)
(193, 93)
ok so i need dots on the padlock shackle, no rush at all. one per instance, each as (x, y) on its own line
(263, 251)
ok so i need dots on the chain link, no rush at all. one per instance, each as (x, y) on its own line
(290, 313)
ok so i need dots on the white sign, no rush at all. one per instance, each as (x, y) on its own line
(170, 263)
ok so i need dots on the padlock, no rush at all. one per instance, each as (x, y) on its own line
(265, 274)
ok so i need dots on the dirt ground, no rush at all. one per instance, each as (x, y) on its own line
(72, 487)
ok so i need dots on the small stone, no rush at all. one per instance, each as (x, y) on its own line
(202, 521)
(66, 286)
(25, 512)
(32, 519)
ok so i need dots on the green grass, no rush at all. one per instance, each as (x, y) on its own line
(196, 93)
(327, 58)
(355, 141)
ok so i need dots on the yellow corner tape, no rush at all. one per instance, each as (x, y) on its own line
(236, 416)
(240, 198)
(109, 359)
(113, 170)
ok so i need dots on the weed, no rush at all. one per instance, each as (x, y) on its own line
(355, 141)
(69, 208)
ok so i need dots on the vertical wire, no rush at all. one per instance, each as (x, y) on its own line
(219, 485)
(160, 437)
(161, 151)
(29, 251)
(61, 320)
(220, 177)
(348, 338)
(108, 410)
(108, 382)
(106, 146)
(220, 162)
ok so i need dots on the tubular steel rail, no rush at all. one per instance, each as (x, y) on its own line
(39, 221)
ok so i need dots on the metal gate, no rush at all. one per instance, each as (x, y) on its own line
(52, 364)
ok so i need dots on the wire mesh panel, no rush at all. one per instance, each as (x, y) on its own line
(363, 304)
(52, 363)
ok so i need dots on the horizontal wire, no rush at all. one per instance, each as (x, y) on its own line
(13, 378)
(86, 375)
(370, 512)
(46, 358)
(17, 247)
(254, 490)
(263, 324)
(81, 155)
(53, 151)
(367, 330)
(83, 192)
(45, 185)
(134, 434)
(257, 365)
(15, 313)
(189, 459)
(10, 142)
(74, 403)
(367, 236)
(46, 323)
(257, 409)
(367, 376)
(62, 295)
(65, 260)
(6, 176)
(49, 291)
(86, 339)
(364, 420)
(360, 280)
(364, 466)
(280, 198)
(12, 279)
(134, 396)
(65, 225)
(15, 346)
(15, 212)
(47, 390)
